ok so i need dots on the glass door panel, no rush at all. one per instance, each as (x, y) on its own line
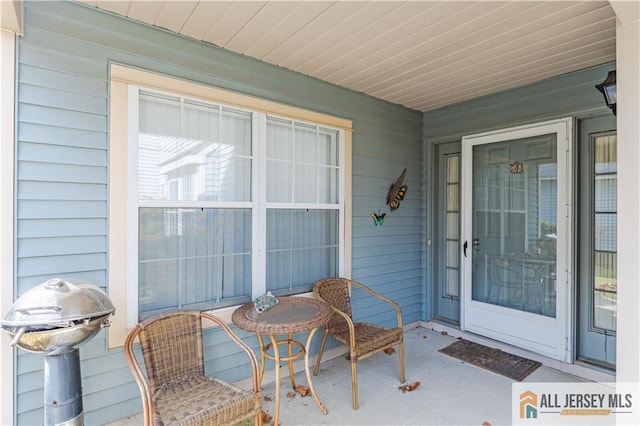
(514, 213)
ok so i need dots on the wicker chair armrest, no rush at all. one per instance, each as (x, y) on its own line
(352, 330)
(252, 357)
(138, 375)
(347, 318)
(377, 295)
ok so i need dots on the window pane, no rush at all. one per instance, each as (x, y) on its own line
(280, 137)
(605, 193)
(452, 288)
(305, 143)
(193, 258)
(302, 247)
(453, 197)
(453, 226)
(452, 259)
(302, 163)
(605, 222)
(604, 309)
(605, 232)
(452, 167)
(201, 122)
(605, 155)
(279, 181)
(605, 291)
(328, 147)
(328, 185)
(159, 128)
(193, 151)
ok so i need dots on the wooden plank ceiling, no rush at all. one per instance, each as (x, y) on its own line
(421, 54)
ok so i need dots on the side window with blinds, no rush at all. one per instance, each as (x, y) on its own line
(605, 227)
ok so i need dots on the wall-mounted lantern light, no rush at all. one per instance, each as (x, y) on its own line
(608, 90)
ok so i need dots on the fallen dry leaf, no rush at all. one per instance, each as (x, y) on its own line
(389, 351)
(486, 424)
(303, 390)
(409, 387)
(291, 395)
(266, 417)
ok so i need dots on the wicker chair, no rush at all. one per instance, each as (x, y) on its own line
(363, 339)
(177, 392)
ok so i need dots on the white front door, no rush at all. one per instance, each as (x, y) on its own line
(516, 236)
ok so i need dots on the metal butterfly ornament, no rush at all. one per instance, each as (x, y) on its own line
(378, 219)
(397, 192)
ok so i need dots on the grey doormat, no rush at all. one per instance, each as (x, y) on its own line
(509, 365)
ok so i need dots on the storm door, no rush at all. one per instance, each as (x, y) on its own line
(516, 234)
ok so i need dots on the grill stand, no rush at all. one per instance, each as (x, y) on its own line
(54, 318)
(63, 389)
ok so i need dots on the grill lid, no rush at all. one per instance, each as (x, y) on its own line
(58, 303)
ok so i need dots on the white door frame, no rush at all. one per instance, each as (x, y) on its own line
(544, 335)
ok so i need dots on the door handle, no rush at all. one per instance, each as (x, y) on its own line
(464, 248)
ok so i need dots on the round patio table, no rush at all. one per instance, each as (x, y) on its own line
(291, 315)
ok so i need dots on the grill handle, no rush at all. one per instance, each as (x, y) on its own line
(18, 335)
(40, 310)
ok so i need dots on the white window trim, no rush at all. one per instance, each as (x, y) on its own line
(122, 264)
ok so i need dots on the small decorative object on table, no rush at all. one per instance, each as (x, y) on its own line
(264, 302)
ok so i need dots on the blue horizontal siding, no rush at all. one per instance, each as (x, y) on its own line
(63, 99)
(38, 190)
(54, 135)
(61, 264)
(62, 81)
(38, 114)
(65, 155)
(42, 209)
(47, 228)
(55, 172)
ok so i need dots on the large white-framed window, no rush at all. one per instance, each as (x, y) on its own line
(224, 197)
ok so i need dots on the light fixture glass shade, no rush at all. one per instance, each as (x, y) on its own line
(610, 94)
(608, 89)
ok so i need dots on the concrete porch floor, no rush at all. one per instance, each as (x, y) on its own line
(450, 392)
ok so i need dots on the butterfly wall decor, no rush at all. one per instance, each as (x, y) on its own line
(516, 167)
(378, 219)
(397, 192)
